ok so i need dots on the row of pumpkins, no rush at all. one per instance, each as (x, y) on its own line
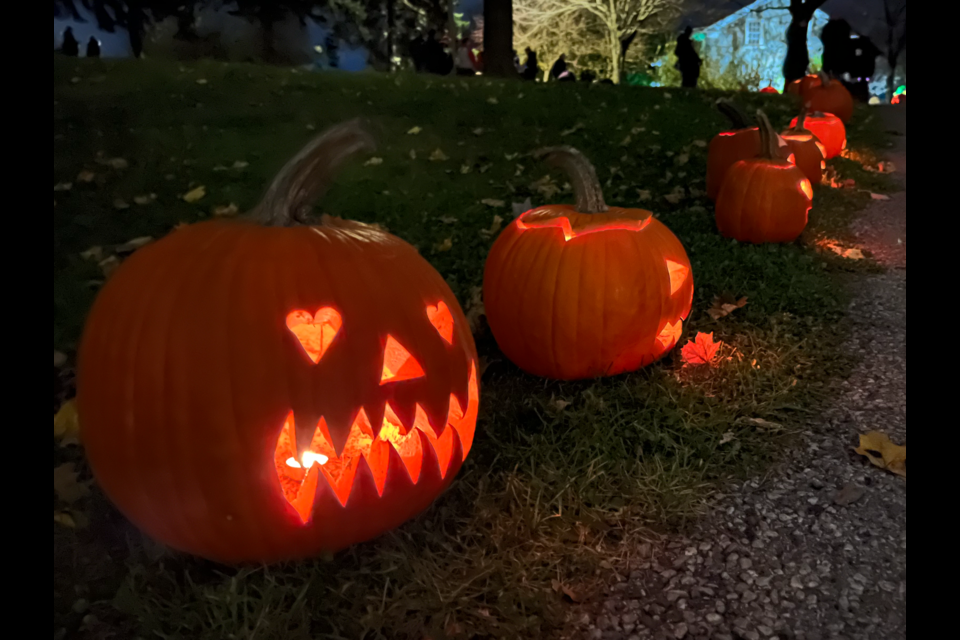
(267, 388)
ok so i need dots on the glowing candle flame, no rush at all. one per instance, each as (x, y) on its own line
(309, 459)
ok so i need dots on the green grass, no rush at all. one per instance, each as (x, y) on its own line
(551, 495)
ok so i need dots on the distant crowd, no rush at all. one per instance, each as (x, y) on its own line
(71, 47)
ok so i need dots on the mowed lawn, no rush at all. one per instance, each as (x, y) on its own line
(565, 479)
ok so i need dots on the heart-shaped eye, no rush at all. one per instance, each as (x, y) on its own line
(442, 320)
(315, 332)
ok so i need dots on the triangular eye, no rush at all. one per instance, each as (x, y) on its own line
(398, 364)
(678, 275)
(315, 332)
(442, 320)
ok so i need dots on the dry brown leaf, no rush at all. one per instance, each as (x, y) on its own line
(59, 359)
(65, 484)
(65, 422)
(373, 162)
(878, 196)
(490, 202)
(729, 436)
(444, 246)
(626, 141)
(494, 227)
(700, 143)
(478, 131)
(572, 129)
(476, 310)
(883, 453)
(114, 163)
(120, 204)
(132, 245)
(509, 157)
(86, 177)
(64, 519)
(643, 195)
(93, 253)
(438, 156)
(449, 220)
(546, 187)
(414, 131)
(465, 169)
(493, 101)
(760, 423)
(240, 164)
(565, 590)
(675, 196)
(725, 304)
(226, 211)
(109, 265)
(682, 159)
(520, 208)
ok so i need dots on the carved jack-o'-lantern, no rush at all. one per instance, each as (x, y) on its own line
(587, 290)
(265, 389)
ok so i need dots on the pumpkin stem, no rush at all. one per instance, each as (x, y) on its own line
(801, 121)
(769, 143)
(734, 114)
(582, 175)
(305, 178)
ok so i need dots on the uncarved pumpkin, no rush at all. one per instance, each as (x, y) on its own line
(740, 142)
(808, 151)
(830, 97)
(803, 85)
(266, 389)
(829, 130)
(765, 199)
(588, 290)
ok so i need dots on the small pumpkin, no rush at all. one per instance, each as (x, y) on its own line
(770, 90)
(830, 97)
(588, 290)
(801, 86)
(829, 130)
(764, 199)
(266, 389)
(740, 142)
(808, 151)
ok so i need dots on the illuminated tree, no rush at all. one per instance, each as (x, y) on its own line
(612, 24)
(798, 57)
(895, 16)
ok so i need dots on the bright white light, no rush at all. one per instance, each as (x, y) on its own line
(309, 459)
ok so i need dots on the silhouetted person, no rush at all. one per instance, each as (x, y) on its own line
(531, 68)
(798, 59)
(588, 76)
(93, 48)
(559, 67)
(70, 46)
(688, 61)
(837, 48)
(435, 58)
(862, 67)
(416, 52)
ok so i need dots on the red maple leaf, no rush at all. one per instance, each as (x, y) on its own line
(701, 351)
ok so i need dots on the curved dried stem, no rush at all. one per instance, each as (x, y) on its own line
(582, 175)
(769, 144)
(304, 179)
(734, 114)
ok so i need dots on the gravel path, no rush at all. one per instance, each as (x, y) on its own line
(818, 549)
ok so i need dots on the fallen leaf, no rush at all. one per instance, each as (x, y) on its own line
(760, 423)
(132, 245)
(65, 483)
(493, 203)
(882, 453)
(560, 404)
(63, 186)
(493, 101)
(485, 168)
(675, 196)
(109, 265)
(520, 208)
(145, 200)
(849, 494)
(201, 81)
(702, 350)
(878, 196)
(643, 194)
(725, 304)
(414, 131)
(86, 177)
(478, 131)
(729, 436)
(853, 254)
(444, 246)
(475, 310)
(240, 164)
(494, 227)
(373, 162)
(195, 195)
(64, 519)
(114, 163)
(509, 157)
(626, 141)
(563, 589)
(545, 186)
(637, 130)
(449, 220)
(413, 154)
(59, 359)
(465, 169)
(700, 143)
(682, 159)
(572, 129)
(438, 156)
(226, 211)
(120, 204)
(93, 253)
(66, 422)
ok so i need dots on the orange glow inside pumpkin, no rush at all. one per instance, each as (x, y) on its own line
(569, 233)
(398, 364)
(670, 334)
(299, 478)
(442, 320)
(315, 332)
(806, 188)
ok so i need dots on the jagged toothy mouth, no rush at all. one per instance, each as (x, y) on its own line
(300, 475)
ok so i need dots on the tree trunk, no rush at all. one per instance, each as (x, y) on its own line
(798, 57)
(498, 39)
(615, 49)
(135, 20)
(454, 36)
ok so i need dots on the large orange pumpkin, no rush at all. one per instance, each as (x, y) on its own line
(829, 130)
(266, 389)
(830, 97)
(740, 142)
(765, 199)
(808, 151)
(588, 290)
